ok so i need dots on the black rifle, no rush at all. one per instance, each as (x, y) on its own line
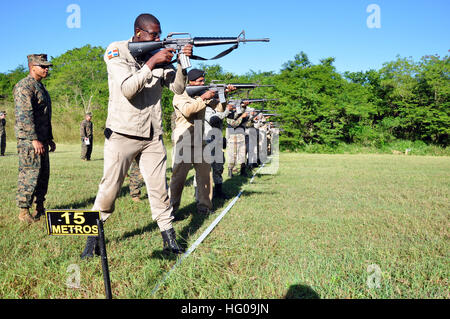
(237, 104)
(197, 90)
(144, 50)
(270, 114)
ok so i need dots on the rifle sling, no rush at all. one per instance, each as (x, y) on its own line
(195, 57)
(221, 54)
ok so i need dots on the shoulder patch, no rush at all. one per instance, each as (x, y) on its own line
(113, 53)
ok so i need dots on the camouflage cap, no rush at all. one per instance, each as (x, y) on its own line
(88, 114)
(38, 59)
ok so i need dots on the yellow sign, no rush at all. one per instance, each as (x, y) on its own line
(72, 222)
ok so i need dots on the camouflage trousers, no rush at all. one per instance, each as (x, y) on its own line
(3, 143)
(236, 151)
(136, 179)
(86, 150)
(34, 174)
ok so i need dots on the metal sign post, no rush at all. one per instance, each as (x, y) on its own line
(81, 223)
(104, 257)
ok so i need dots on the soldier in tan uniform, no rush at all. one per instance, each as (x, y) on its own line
(135, 126)
(188, 137)
(33, 129)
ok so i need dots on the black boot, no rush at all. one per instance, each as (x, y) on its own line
(92, 247)
(218, 193)
(243, 170)
(170, 243)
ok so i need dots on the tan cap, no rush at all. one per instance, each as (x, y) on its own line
(38, 59)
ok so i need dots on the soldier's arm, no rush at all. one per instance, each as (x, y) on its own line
(24, 113)
(129, 82)
(175, 80)
(82, 130)
(219, 109)
(236, 122)
(187, 105)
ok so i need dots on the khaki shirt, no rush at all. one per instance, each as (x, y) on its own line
(188, 110)
(135, 92)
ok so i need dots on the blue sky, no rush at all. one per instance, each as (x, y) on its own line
(321, 28)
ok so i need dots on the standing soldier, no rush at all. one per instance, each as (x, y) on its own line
(2, 132)
(33, 129)
(86, 132)
(188, 137)
(134, 125)
(236, 140)
(214, 119)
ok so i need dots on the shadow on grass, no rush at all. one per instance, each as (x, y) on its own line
(301, 292)
(231, 187)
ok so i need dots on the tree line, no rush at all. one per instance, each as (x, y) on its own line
(405, 99)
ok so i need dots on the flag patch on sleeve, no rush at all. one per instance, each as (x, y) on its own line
(114, 53)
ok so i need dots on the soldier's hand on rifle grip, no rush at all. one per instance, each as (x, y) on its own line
(230, 88)
(208, 95)
(245, 114)
(163, 56)
(187, 50)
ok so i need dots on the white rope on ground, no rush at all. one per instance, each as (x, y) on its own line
(203, 236)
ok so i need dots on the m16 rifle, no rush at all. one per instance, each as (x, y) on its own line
(144, 50)
(238, 103)
(219, 88)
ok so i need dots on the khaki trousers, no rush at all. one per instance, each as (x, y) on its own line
(119, 152)
(203, 176)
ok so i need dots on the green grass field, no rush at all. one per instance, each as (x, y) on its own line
(312, 230)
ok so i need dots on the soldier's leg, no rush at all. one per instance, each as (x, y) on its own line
(136, 179)
(42, 184)
(83, 149)
(179, 174)
(204, 186)
(29, 166)
(2, 144)
(217, 171)
(89, 150)
(119, 152)
(153, 168)
(241, 152)
(231, 152)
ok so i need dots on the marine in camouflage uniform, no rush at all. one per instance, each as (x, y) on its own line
(236, 150)
(2, 132)
(33, 130)
(136, 181)
(86, 132)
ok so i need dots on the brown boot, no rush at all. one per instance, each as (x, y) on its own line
(24, 216)
(39, 211)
